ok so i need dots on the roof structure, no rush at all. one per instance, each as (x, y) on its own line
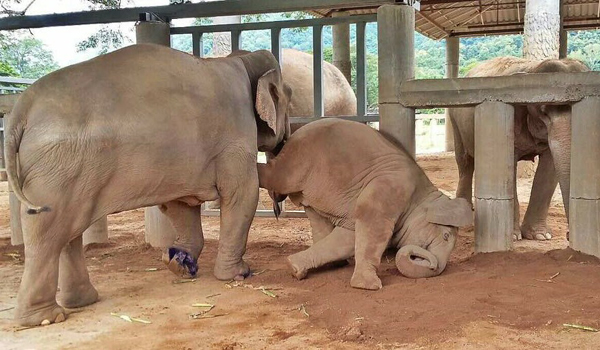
(438, 19)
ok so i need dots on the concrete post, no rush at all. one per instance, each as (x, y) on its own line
(541, 29)
(584, 221)
(452, 64)
(16, 233)
(494, 176)
(159, 232)
(341, 47)
(153, 32)
(97, 232)
(564, 35)
(396, 38)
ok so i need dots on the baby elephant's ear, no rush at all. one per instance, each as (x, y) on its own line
(450, 212)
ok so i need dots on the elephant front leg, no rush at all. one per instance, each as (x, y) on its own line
(76, 290)
(544, 184)
(182, 257)
(336, 246)
(320, 226)
(376, 214)
(238, 188)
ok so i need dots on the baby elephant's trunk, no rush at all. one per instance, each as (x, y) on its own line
(415, 262)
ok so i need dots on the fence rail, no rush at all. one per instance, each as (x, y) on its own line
(317, 24)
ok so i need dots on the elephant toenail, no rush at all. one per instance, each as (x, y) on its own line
(45, 322)
(61, 317)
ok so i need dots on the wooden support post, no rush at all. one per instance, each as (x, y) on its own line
(158, 233)
(584, 221)
(494, 176)
(452, 63)
(396, 38)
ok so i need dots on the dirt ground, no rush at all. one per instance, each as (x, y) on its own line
(519, 299)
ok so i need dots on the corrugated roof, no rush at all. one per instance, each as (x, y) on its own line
(438, 19)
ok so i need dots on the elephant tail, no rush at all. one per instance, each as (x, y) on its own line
(12, 140)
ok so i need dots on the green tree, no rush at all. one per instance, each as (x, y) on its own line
(25, 57)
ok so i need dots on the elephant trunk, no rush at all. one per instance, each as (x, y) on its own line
(415, 262)
(559, 140)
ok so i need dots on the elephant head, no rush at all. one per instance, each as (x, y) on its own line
(439, 222)
(557, 120)
(272, 99)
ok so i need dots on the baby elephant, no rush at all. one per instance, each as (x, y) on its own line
(362, 194)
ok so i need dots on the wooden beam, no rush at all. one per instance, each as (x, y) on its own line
(203, 9)
(548, 88)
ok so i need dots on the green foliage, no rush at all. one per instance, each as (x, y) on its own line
(25, 56)
(585, 46)
(104, 40)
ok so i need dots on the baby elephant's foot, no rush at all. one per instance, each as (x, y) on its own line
(238, 271)
(295, 262)
(180, 262)
(517, 235)
(540, 233)
(78, 297)
(41, 317)
(365, 280)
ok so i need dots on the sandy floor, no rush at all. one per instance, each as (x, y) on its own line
(486, 301)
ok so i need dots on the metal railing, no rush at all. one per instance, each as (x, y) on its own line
(317, 24)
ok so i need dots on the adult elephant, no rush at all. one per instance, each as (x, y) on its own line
(145, 125)
(543, 131)
(297, 71)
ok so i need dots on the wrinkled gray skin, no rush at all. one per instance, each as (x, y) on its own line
(362, 194)
(543, 131)
(145, 125)
(297, 71)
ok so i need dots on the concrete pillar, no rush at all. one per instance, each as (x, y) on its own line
(16, 233)
(396, 38)
(452, 64)
(153, 32)
(97, 232)
(584, 208)
(159, 232)
(541, 29)
(341, 47)
(494, 176)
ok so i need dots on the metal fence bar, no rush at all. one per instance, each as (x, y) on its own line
(371, 118)
(276, 43)
(361, 64)
(236, 37)
(274, 24)
(197, 44)
(12, 80)
(318, 70)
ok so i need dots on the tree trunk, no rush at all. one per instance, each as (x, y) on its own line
(542, 29)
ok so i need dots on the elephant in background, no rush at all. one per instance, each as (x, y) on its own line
(362, 194)
(141, 126)
(543, 131)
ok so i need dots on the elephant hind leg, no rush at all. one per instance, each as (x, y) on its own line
(76, 290)
(336, 246)
(320, 226)
(466, 168)
(44, 240)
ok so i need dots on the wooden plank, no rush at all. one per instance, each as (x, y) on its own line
(547, 88)
(191, 10)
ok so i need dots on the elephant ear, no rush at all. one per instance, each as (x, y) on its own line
(267, 97)
(450, 212)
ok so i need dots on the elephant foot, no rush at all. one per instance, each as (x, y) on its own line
(238, 272)
(540, 233)
(42, 316)
(79, 297)
(180, 262)
(298, 270)
(365, 280)
(517, 236)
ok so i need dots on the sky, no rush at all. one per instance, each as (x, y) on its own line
(62, 41)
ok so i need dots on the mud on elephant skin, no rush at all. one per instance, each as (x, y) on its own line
(125, 131)
(362, 194)
(542, 131)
